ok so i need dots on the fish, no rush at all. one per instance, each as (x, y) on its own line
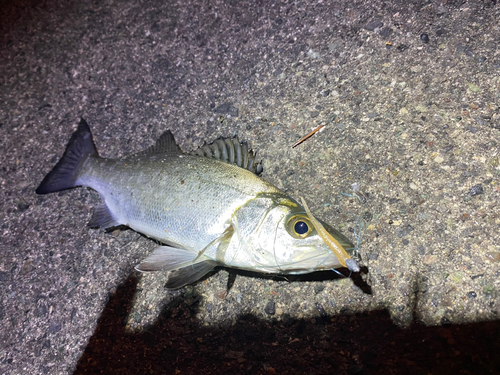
(207, 208)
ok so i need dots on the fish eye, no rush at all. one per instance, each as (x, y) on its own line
(299, 226)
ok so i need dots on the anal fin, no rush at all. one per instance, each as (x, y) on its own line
(189, 274)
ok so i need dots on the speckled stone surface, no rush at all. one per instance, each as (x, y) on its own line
(410, 98)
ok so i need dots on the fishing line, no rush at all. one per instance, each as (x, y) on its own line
(307, 259)
(360, 224)
(340, 273)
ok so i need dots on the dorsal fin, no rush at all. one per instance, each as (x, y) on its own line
(231, 150)
(224, 149)
(164, 145)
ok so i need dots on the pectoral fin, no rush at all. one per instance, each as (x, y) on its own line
(186, 266)
(189, 274)
(166, 258)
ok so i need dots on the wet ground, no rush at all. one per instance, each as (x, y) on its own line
(409, 95)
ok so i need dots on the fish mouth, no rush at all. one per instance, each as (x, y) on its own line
(309, 259)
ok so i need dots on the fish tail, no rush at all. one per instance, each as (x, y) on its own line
(66, 172)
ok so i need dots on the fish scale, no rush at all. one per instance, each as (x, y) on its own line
(145, 194)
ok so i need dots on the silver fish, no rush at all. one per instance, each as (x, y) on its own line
(206, 209)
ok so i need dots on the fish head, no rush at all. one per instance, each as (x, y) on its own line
(274, 234)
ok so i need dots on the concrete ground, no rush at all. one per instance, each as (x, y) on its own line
(409, 93)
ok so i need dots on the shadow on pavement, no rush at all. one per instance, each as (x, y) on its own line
(367, 343)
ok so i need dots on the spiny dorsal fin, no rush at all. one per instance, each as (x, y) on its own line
(231, 151)
(164, 145)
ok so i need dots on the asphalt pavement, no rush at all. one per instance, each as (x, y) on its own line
(407, 163)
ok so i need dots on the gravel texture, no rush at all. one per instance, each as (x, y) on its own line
(410, 96)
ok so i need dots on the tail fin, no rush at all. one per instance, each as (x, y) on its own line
(65, 174)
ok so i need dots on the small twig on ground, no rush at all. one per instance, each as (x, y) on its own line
(307, 136)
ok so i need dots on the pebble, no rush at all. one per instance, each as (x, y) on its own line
(227, 108)
(373, 24)
(421, 250)
(476, 190)
(313, 54)
(385, 32)
(55, 327)
(4, 276)
(424, 38)
(471, 295)
(40, 311)
(439, 159)
(321, 310)
(22, 206)
(404, 231)
(430, 259)
(480, 121)
(270, 308)
(318, 288)
(474, 88)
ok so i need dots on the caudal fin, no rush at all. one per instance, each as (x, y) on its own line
(65, 174)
